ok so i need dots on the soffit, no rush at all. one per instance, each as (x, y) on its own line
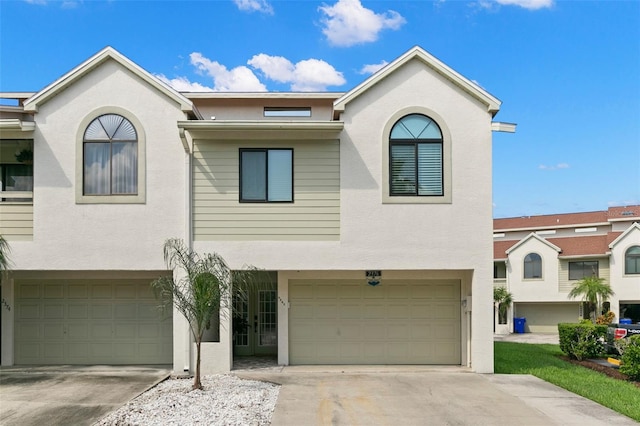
(492, 103)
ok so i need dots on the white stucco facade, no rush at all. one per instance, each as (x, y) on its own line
(417, 240)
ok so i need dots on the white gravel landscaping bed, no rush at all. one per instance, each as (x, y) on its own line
(225, 400)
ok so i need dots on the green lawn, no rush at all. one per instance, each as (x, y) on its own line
(542, 361)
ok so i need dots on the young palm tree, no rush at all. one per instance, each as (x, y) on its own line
(503, 299)
(5, 263)
(594, 291)
(201, 287)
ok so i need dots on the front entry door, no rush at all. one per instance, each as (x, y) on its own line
(255, 323)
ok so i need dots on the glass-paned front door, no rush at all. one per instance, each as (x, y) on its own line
(255, 323)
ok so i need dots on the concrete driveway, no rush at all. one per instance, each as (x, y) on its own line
(424, 396)
(70, 395)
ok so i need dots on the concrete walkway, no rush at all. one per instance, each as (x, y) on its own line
(414, 395)
(550, 338)
(70, 395)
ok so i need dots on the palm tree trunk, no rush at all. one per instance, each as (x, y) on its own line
(196, 380)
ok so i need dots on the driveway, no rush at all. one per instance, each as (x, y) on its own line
(70, 395)
(424, 396)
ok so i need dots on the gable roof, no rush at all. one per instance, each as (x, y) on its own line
(535, 237)
(108, 53)
(492, 103)
(635, 226)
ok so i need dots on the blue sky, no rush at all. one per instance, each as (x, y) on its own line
(568, 72)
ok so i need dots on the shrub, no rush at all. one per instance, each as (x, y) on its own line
(631, 359)
(584, 340)
(606, 319)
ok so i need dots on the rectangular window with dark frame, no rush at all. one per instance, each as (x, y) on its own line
(583, 269)
(266, 175)
(416, 168)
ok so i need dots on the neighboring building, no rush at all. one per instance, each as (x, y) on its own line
(392, 178)
(540, 258)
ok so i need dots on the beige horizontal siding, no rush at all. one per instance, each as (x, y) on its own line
(219, 215)
(565, 285)
(16, 221)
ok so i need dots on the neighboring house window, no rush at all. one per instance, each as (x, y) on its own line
(266, 175)
(532, 266)
(110, 157)
(632, 260)
(580, 270)
(415, 157)
(499, 270)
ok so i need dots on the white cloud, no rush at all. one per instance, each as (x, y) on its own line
(526, 4)
(239, 79)
(254, 6)
(372, 68)
(310, 75)
(347, 23)
(552, 167)
(182, 84)
(36, 1)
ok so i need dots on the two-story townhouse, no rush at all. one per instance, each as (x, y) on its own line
(539, 259)
(370, 208)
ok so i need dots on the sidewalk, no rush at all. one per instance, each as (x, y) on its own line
(550, 338)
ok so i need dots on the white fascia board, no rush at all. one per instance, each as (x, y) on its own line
(540, 228)
(255, 129)
(15, 124)
(635, 226)
(497, 126)
(262, 95)
(585, 256)
(492, 103)
(535, 236)
(33, 102)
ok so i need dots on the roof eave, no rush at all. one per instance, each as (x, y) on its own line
(492, 103)
(33, 102)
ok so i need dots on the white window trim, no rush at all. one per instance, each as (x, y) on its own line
(446, 160)
(140, 198)
(541, 277)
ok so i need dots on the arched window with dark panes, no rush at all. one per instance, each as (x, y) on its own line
(632, 260)
(533, 266)
(415, 156)
(110, 157)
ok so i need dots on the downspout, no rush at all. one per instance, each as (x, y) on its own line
(187, 143)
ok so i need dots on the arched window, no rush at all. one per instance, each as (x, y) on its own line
(415, 157)
(110, 157)
(533, 266)
(632, 260)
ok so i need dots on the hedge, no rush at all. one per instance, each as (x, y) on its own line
(583, 340)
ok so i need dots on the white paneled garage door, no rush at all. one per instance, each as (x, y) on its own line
(90, 322)
(397, 322)
(545, 317)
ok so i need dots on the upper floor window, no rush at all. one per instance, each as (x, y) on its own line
(632, 260)
(416, 157)
(533, 266)
(499, 270)
(266, 175)
(583, 269)
(110, 157)
(16, 170)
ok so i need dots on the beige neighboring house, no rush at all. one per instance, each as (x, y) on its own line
(540, 258)
(387, 184)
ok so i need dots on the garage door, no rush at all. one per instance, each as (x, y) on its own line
(90, 322)
(544, 317)
(397, 322)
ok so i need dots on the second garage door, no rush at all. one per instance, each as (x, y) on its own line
(545, 317)
(397, 322)
(90, 322)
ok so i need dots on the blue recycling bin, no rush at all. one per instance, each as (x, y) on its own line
(625, 321)
(518, 325)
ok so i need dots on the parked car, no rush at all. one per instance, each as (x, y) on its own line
(617, 332)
